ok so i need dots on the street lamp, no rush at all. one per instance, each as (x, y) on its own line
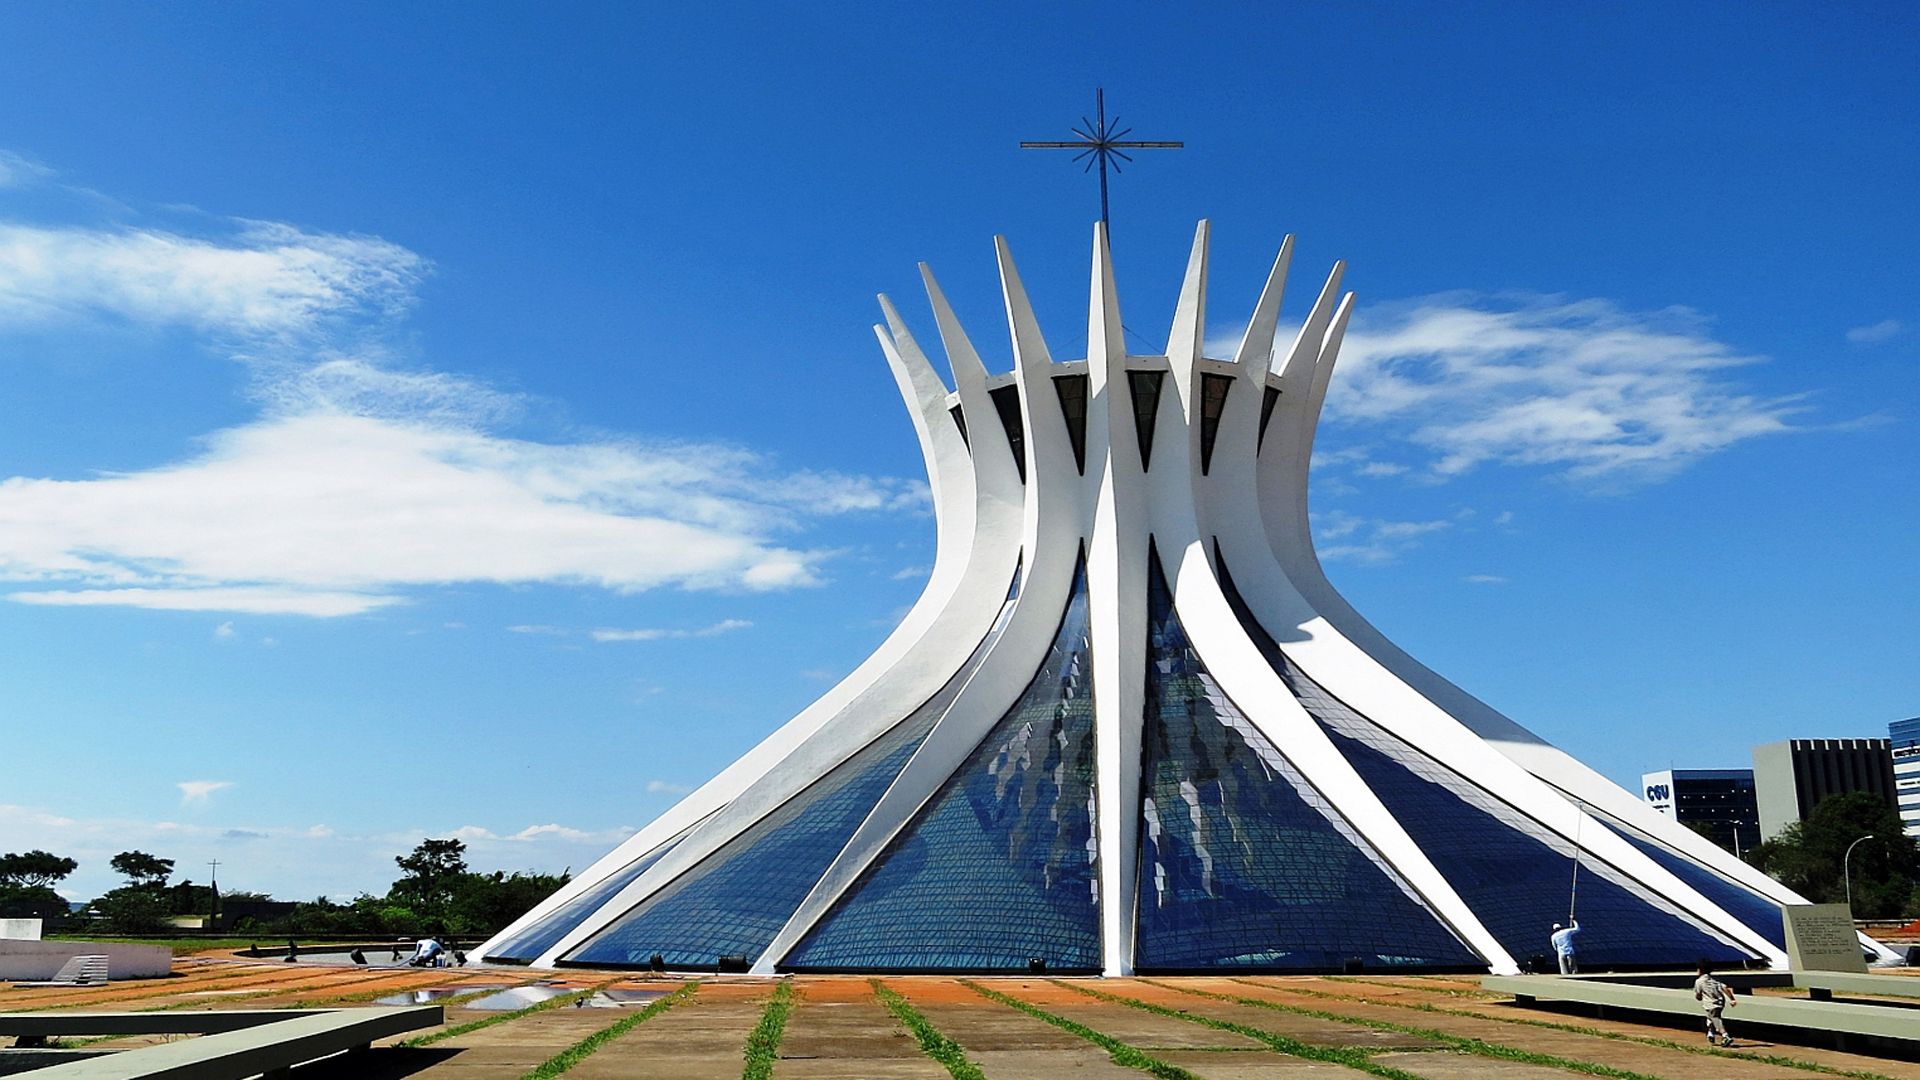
(1846, 873)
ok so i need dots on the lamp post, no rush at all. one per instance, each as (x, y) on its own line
(1846, 871)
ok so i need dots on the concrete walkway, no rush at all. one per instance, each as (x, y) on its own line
(838, 1028)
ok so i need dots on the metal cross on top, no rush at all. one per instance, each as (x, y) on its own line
(1100, 141)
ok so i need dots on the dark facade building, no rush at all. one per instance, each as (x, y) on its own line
(1905, 737)
(1790, 778)
(1717, 802)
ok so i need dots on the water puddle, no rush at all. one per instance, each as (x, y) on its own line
(508, 998)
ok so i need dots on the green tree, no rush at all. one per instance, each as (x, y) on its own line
(433, 872)
(141, 869)
(34, 869)
(1809, 856)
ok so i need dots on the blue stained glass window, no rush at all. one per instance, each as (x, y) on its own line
(526, 946)
(735, 900)
(1514, 873)
(1243, 864)
(1758, 912)
(999, 867)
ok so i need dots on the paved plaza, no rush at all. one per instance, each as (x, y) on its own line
(1217, 1028)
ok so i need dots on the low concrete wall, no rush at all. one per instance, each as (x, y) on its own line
(42, 959)
(19, 929)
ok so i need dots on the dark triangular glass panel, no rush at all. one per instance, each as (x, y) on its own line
(1072, 390)
(1213, 399)
(1006, 402)
(960, 421)
(1243, 864)
(735, 900)
(1145, 389)
(1758, 912)
(1266, 413)
(998, 869)
(526, 946)
(1513, 872)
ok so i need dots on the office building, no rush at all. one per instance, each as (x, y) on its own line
(1717, 802)
(1791, 777)
(1904, 740)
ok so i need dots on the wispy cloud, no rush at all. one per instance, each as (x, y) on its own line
(1581, 387)
(724, 626)
(1484, 579)
(1340, 535)
(666, 787)
(17, 171)
(266, 280)
(199, 792)
(1873, 332)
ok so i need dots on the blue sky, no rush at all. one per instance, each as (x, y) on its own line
(418, 424)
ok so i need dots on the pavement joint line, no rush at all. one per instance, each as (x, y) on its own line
(1477, 1047)
(1394, 984)
(763, 1043)
(1351, 1057)
(1618, 1036)
(501, 1018)
(949, 1054)
(1121, 1053)
(578, 1052)
(218, 979)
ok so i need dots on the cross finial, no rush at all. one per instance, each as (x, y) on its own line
(1103, 142)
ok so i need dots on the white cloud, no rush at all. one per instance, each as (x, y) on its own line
(538, 628)
(1580, 387)
(268, 281)
(724, 626)
(1880, 331)
(224, 630)
(199, 792)
(329, 514)
(664, 787)
(1484, 579)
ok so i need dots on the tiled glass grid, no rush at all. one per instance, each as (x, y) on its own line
(1758, 912)
(527, 945)
(734, 901)
(1243, 864)
(999, 868)
(1514, 873)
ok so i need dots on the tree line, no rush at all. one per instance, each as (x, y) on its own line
(436, 893)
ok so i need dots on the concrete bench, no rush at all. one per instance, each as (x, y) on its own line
(1817, 1021)
(258, 1041)
(1820, 985)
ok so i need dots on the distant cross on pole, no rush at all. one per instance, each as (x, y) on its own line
(213, 900)
(1103, 143)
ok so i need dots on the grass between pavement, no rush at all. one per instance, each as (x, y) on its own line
(1477, 1047)
(763, 1045)
(935, 1045)
(1121, 1053)
(1578, 1029)
(1350, 1056)
(578, 1052)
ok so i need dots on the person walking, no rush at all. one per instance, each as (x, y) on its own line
(1562, 940)
(1715, 997)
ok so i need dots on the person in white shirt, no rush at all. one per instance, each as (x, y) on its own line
(426, 953)
(1713, 996)
(1562, 940)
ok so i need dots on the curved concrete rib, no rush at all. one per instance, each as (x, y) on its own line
(1178, 493)
(1354, 672)
(979, 541)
